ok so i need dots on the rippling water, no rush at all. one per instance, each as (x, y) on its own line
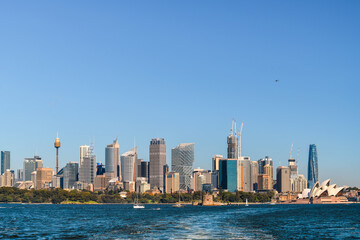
(192, 222)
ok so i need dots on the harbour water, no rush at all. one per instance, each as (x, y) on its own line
(43, 221)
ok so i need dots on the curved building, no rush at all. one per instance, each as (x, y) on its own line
(128, 160)
(313, 171)
(182, 159)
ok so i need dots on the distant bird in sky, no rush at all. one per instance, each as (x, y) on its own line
(276, 80)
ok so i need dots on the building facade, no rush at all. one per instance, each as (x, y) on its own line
(228, 174)
(215, 162)
(112, 160)
(172, 182)
(254, 172)
(157, 156)
(84, 152)
(43, 177)
(30, 165)
(245, 174)
(283, 179)
(199, 178)
(128, 161)
(87, 169)
(182, 159)
(313, 171)
(71, 172)
(5, 161)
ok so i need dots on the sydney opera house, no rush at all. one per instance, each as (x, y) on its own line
(324, 193)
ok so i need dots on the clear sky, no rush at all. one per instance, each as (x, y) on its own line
(182, 70)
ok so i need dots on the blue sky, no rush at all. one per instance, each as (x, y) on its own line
(183, 70)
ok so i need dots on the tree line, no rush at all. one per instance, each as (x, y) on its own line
(57, 196)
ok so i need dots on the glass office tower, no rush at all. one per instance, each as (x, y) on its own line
(313, 171)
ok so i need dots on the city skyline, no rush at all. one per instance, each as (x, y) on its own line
(192, 70)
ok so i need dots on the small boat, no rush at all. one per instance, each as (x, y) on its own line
(137, 205)
(178, 205)
(246, 203)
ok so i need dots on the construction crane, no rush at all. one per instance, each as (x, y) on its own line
(241, 128)
(291, 149)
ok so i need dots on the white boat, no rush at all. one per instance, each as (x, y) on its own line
(137, 205)
(178, 205)
(246, 203)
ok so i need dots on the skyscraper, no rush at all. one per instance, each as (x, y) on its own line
(172, 182)
(268, 170)
(313, 171)
(128, 161)
(84, 151)
(215, 162)
(112, 160)
(228, 174)
(293, 168)
(283, 179)
(254, 175)
(87, 168)
(182, 159)
(145, 170)
(30, 165)
(71, 171)
(262, 162)
(245, 174)
(157, 156)
(232, 141)
(5, 161)
(43, 177)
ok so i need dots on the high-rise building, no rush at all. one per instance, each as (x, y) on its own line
(264, 161)
(138, 167)
(293, 168)
(254, 175)
(228, 174)
(268, 170)
(283, 179)
(200, 177)
(215, 162)
(264, 182)
(145, 170)
(245, 174)
(299, 184)
(43, 177)
(19, 175)
(100, 169)
(128, 160)
(71, 172)
(172, 183)
(157, 156)
(30, 165)
(182, 159)
(313, 171)
(5, 161)
(87, 167)
(215, 180)
(112, 160)
(84, 151)
(7, 179)
(232, 141)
